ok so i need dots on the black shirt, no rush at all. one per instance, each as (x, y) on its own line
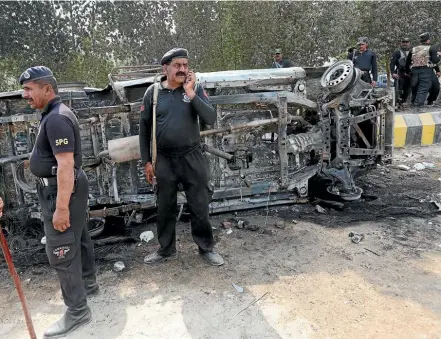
(59, 132)
(398, 61)
(285, 63)
(366, 61)
(177, 127)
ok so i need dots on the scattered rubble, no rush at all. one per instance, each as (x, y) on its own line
(320, 209)
(428, 165)
(401, 167)
(419, 166)
(237, 287)
(239, 223)
(146, 236)
(226, 224)
(280, 224)
(268, 232)
(356, 237)
(119, 266)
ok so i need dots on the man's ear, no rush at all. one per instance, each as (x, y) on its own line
(164, 69)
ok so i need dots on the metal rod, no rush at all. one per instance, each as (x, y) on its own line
(115, 184)
(4, 161)
(17, 283)
(249, 125)
(217, 152)
(361, 134)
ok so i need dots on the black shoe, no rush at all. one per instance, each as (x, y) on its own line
(156, 258)
(430, 103)
(70, 321)
(212, 258)
(91, 285)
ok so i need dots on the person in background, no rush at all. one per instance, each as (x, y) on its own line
(279, 61)
(365, 60)
(398, 70)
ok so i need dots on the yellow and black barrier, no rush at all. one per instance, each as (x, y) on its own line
(417, 129)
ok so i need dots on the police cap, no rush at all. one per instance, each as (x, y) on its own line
(174, 53)
(405, 40)
(424, 37)
(362, 40)
(35, 73)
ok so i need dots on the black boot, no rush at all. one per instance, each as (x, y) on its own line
(70, 321)
(91, 285)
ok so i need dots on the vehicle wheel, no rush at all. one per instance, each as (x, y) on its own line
(96, 226)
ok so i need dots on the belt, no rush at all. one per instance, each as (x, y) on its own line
(52, 181)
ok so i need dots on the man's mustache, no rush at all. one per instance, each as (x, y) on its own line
(181, 74)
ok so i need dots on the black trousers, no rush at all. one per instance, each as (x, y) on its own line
(70, 252)
(421, 83)
(191, 171)
(403, 86)
(366, 77)
(434, 89)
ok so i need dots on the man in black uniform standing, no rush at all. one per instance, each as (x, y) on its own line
(279, 61)
(420, 63)
(366, 61)
(180, 104)
(62, 190)
(397, 69)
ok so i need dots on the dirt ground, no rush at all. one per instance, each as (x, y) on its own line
(309, 279)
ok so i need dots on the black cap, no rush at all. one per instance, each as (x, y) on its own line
(35, 73)
(424, 37)
(174, 53)
(405, 40)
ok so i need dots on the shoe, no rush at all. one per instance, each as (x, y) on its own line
(70, 321)
(212, 258)
(156, 258)
(430, 103)
(91, 285)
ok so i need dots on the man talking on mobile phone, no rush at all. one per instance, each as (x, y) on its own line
(173, 110)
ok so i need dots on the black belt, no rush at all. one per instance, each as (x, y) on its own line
(45, 182)
(52, 181)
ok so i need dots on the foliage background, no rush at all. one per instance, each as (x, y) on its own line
(83, 40)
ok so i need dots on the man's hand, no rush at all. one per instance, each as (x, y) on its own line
(148, 169)
(1, 207)
(395, 76)
(373, 83)
(189, 85)
(438, 74)
(60, 219)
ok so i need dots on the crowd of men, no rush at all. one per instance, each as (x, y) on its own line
(415, 70)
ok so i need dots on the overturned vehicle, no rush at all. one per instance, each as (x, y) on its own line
(277, 132)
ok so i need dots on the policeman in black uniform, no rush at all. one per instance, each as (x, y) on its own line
(398, 71)
(62, 190)
(366, 61)
(421, 61)
(180, 104)
(279, 61)
(435, 88)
